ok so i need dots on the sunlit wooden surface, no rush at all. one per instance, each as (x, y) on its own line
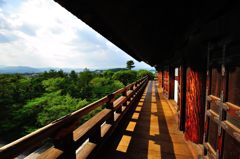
(149, 133)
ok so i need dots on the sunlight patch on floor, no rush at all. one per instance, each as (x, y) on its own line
(124, 143)
(140, 103)
(153, 100)
(153, 108)
(149, 136)
(167, 111)
(135, 116)
(138, 108)
(154, 150)
(131, 126)
(154, 126)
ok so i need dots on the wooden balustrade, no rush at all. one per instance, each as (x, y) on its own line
(69, 139)
(229, 126)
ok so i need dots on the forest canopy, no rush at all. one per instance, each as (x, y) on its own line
(28, 102)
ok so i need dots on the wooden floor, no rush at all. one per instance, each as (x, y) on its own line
(150, 132)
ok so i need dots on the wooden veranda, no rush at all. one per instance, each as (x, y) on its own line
(151, 131)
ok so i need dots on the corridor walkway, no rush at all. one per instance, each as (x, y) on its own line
(150, 132)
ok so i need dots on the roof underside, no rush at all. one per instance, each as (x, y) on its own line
(155, 32)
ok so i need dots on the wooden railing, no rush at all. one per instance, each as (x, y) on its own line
(66, 138)
(219, 117)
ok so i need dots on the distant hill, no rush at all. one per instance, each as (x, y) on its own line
(120, 69)
(26, 69)
(18, 69)
(116, 69)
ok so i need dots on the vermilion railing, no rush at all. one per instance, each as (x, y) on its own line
(66, 138)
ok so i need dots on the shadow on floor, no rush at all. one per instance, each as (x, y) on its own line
(146, 132)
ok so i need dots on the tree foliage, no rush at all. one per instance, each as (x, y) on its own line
(102, 86)
(28, 102)
(126, 76)
(53, 106)
(53, 84)
(108, 74)
(130, 64)
(143, 73)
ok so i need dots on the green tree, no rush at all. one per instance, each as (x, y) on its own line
(8, 98)
(130, 64)
(108, 74)
(36, 88)
(102, 86)
(15, 90)
(57, 106)
(84, 88)
(47, 108)
(53, 74)
(72, 85)
(126, 76)
(29, 102)
(53, 84)
(86, 76)
(143, 73)
(73, 75)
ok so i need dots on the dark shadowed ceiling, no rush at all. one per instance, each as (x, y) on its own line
(155, 32)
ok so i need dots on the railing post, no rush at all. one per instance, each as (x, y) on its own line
(134, 89)
(131, 89)
(119, 110)
(96, 135)
(110, 106)
(124, 94)
(139, 88)
(66, 144)
(137, 82)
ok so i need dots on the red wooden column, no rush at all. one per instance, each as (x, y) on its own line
(162, 78)
(159, 75)
(195, 101)
(166, 83)
(182, 96)
(171, 82)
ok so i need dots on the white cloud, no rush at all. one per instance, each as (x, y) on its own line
(40, 33)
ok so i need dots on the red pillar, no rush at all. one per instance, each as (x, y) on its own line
(171, 82)
(182, 97)
(159, 74)
(195, 101)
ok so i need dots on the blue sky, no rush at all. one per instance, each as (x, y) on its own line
(40, 33)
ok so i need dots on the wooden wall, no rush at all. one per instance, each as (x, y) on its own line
(222, 124)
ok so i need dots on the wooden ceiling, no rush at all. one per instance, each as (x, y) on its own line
(160, 33)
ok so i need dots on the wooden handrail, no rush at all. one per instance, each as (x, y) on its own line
(212, 152)
(232, 109)
(233, 130)
(63, 128)
(212, 98)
